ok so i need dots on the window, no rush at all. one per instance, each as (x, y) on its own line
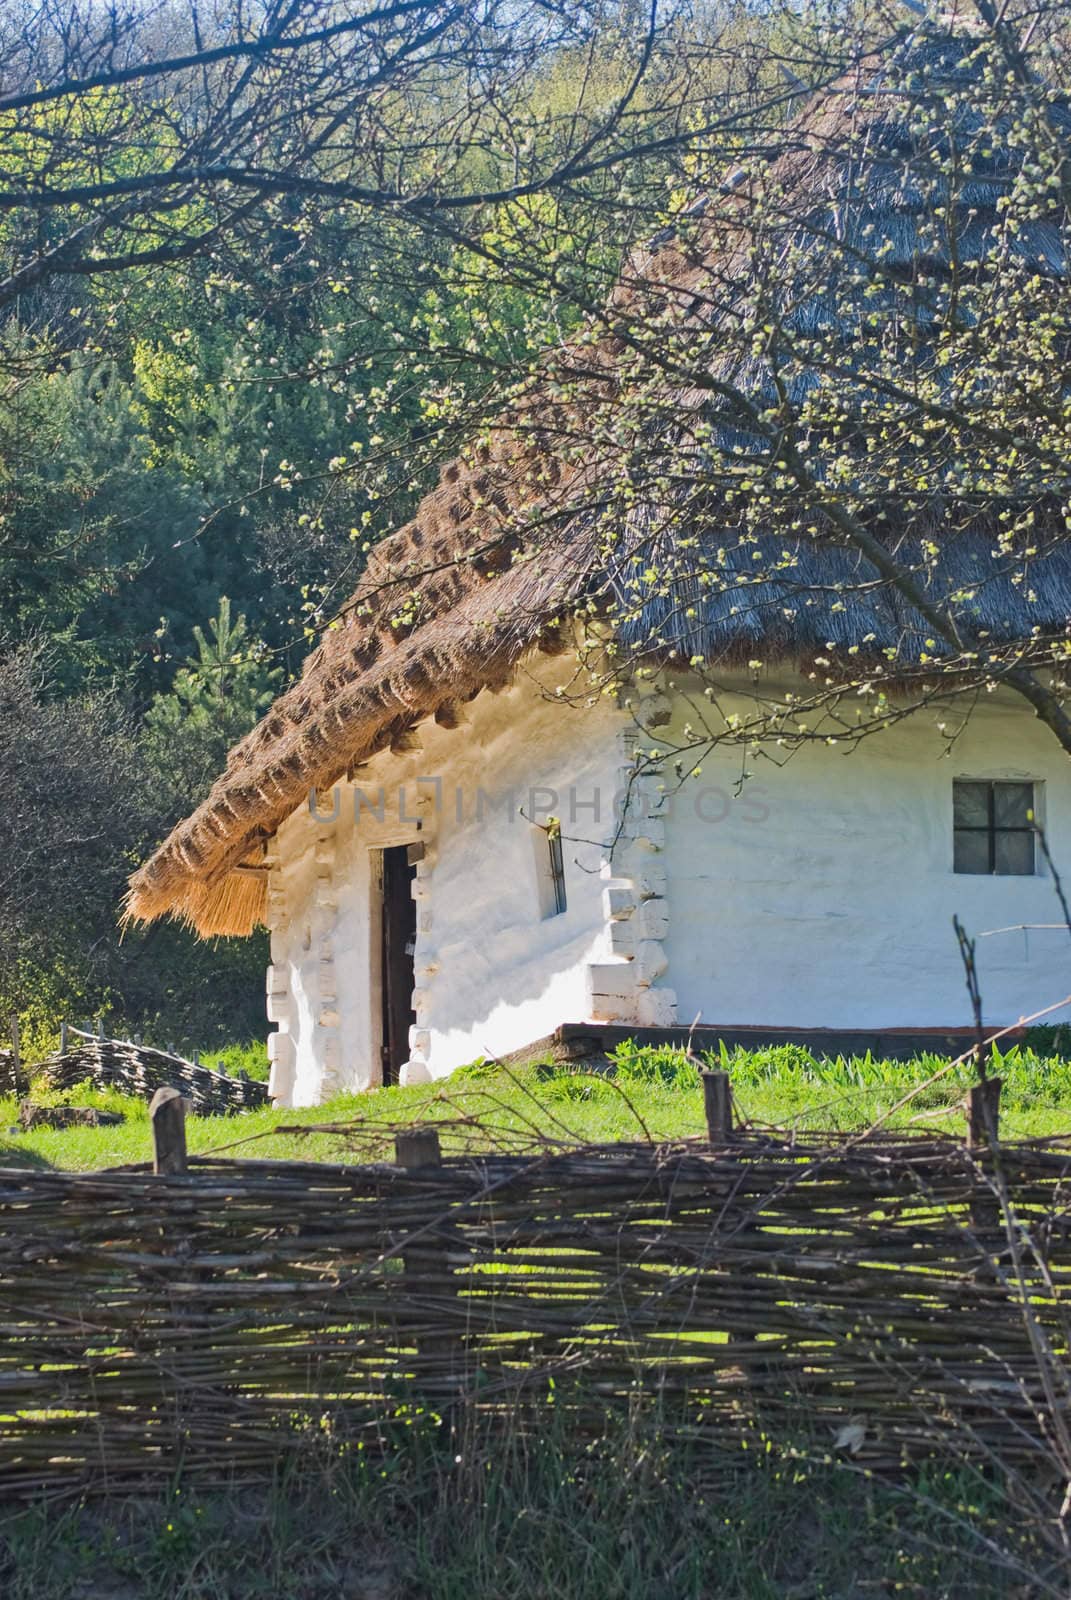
(550, 867)
(557, 868)
(993, 827)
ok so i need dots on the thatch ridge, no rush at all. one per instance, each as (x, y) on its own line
(509, 540)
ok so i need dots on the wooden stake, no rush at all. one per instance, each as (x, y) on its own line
(167, 1114)
(63, 1038)
(415, 1149)
(984, 1114)
(718, 1104)
(983, 1135)
(418, 1147)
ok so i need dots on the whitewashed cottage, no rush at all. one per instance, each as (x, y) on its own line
(454, 830)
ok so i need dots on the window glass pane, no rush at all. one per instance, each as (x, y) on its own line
(557, 871)
(1015, 853)
(1012, 801)
(970, 804)
(972, 852)
(550, 867)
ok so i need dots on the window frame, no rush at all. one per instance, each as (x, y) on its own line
(557, 872)
(992, 830)
(550, 868)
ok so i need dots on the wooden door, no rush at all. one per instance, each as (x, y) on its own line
(399, 943)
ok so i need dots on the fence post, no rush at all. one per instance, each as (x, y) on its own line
(984, 1113)
(718, 1105)
(167, 1115)
(63, 1038)
(100, 1027)
(415, 1149)
(418, 1147)
(983, 1135)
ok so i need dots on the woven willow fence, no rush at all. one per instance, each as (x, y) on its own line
(876, 1294)
(139, 1070)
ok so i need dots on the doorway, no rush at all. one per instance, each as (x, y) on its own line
(398, 948)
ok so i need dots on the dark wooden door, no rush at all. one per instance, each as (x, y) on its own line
(399, 943)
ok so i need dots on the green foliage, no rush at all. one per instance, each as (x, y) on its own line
(195, 994)
(92, 793)
(215, 698)
(483, 1070)
(81, 522)
(1030, 1077)
(69, 767)
(251, 1058)
(577, 1085)
(654, 1064)
(1049, 1039)
(131, 1107)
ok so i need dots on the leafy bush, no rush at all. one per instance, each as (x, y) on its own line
(576, 1083)
(657, 1063)
(251, 1058)
(1032, 1077)
(1049, 1039)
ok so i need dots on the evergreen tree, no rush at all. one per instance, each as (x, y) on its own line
(216, 698)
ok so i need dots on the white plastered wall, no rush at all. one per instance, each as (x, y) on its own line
(492, 972)
(820, 894)
(823, 894)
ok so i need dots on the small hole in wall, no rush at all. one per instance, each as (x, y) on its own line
(550, 868)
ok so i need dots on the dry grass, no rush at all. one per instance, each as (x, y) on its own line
(623, 1517)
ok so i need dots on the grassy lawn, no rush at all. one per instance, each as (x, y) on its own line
(639, 1094)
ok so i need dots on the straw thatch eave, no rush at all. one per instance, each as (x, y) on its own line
(332, 720)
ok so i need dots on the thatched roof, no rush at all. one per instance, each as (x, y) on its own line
(512, 540)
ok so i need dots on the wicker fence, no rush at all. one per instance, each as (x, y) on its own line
(892, 1297)
(136, 1069)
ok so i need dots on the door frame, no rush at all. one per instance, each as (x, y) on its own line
(384, 1072)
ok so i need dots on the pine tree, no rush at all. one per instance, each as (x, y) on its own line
(216, 698)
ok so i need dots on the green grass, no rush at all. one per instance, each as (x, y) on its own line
(641, 1093)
